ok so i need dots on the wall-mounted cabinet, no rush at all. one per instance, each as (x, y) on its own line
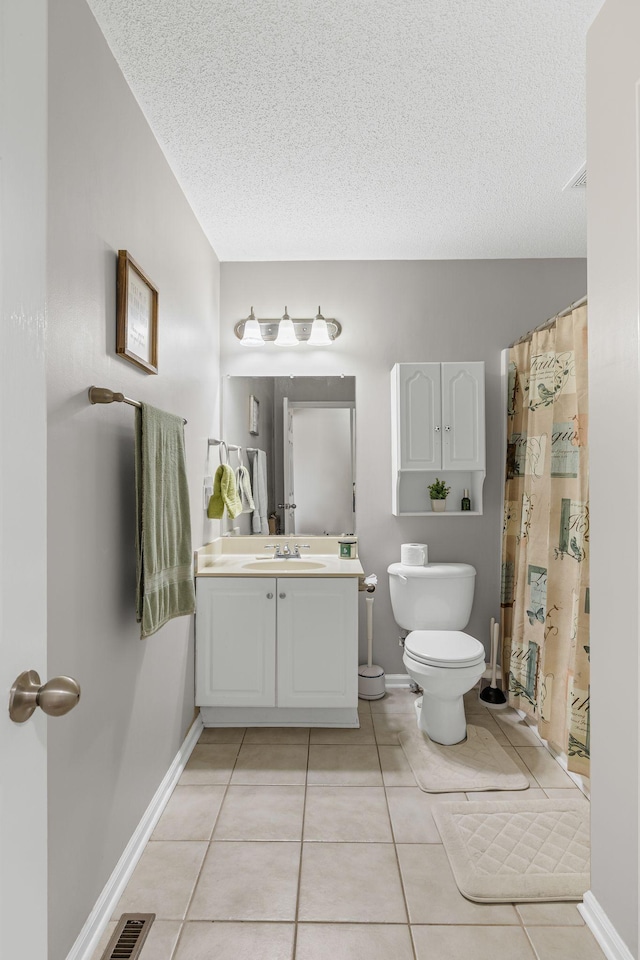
(438, 429)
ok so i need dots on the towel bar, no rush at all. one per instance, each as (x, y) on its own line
(103, 395)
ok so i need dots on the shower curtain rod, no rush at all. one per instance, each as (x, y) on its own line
(549, 322)
(104, 395)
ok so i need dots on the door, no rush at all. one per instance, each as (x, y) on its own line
(463, 416)
(317, 642)
(613, 216)
(23, 547)
(236, 642)
(321, 464)
(420, 415)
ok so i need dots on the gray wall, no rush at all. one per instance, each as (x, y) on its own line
(110, 187)
(398, 311)
(613, 73)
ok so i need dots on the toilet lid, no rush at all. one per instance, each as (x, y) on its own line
(444, 648)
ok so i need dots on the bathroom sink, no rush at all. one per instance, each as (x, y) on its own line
(284, 563)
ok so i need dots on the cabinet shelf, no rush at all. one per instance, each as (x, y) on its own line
(411, 497)
(432, 513)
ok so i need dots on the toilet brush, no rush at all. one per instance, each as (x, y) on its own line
(492, 696)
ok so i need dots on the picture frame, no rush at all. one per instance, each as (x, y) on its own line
(136, 315)
(254, 416)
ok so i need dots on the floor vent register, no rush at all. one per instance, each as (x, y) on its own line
(129, 936)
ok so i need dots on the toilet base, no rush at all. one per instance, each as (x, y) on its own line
(443, 721)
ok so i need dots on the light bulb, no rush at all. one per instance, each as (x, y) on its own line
(251, 336)
(319, 332)
(286, 332)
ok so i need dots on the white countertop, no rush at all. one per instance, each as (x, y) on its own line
(253, 557)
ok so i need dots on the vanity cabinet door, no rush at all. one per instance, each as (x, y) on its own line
(463, 416)
(235, 641)
(317, 642)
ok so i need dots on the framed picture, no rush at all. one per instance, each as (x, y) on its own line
(254, 416)
(136, 315)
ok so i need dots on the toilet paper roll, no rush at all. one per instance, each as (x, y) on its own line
(414, 554)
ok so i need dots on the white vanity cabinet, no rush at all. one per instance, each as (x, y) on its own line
(438, 429)
(277, 650)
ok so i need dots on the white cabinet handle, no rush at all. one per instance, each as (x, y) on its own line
(447, 429)
(282, 595)
(269, 596)
(437, 429)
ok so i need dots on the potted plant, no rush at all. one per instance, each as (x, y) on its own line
(438, 491)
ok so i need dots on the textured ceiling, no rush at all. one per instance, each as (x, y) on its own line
(366, 129)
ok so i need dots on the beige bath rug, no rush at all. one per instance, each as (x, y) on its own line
(479, 763)
(506, 851)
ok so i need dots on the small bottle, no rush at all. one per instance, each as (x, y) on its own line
(466, 502)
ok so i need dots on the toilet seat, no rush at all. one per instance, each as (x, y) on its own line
(444, 648)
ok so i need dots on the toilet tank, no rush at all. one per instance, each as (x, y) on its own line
(436, 597)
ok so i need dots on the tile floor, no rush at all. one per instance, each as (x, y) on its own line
(318, 845)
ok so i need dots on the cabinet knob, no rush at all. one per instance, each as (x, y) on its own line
(269, 596)
(282, 595)
(447, 429)
(437, 429)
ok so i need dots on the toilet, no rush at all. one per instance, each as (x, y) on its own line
(434, 603)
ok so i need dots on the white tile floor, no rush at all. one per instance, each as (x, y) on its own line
(284, 844)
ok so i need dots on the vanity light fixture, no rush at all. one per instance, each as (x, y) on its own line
(251, 336)
(287, 331)
(319, 332)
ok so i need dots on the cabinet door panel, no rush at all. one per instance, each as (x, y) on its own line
(420, 434)
(463, 416)
(317, 642)
(235, 642)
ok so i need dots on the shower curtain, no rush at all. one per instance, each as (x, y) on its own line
(545, 546)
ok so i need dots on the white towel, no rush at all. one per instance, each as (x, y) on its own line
(259, 521)
(243, 483)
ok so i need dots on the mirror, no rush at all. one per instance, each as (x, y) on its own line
(305, 428)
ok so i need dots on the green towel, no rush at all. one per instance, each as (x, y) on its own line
(225, 494)
(165, 586)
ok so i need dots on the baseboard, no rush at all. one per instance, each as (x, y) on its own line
(397, 680)
(611, 943)
(99, 917)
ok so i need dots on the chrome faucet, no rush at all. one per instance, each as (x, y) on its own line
(285, 552)
(279, 550)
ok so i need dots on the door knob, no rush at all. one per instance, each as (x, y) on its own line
(56, 697)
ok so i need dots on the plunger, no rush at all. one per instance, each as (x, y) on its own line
(492, 695)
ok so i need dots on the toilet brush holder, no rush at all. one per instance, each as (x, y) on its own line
(371, 682)
(492, 696)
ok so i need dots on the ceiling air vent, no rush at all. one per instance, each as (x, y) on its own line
(129, 936)
(578, 180)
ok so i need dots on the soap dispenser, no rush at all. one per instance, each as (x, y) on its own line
(466, 502)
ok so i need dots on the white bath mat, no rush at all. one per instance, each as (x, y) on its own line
(479, 763)
(517, 850)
